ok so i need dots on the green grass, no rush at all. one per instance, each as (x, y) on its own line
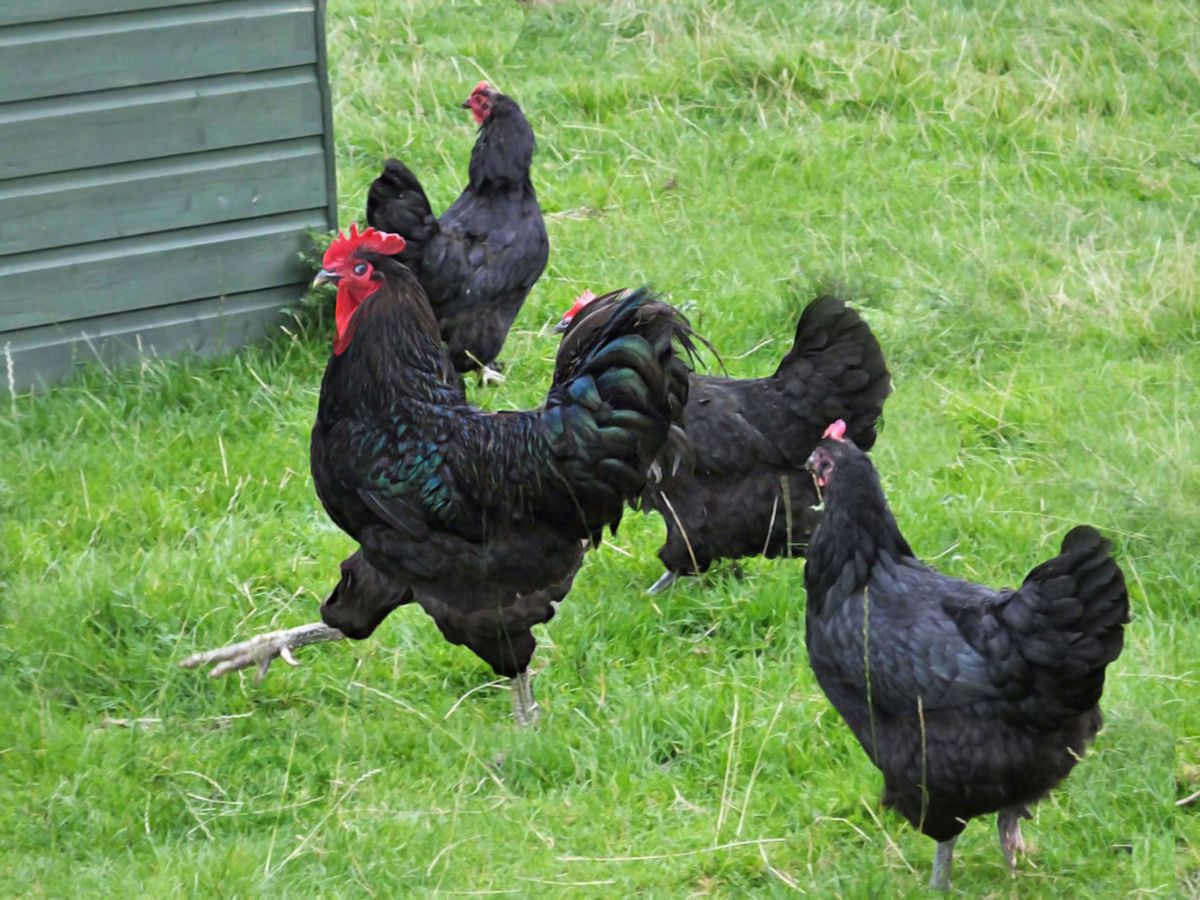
(1010, 193)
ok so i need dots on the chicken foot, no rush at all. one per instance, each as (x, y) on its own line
(1008, 823)
(525, 707)
(489, 376)
(665, 581)
(261, 650)
(943, 861)
(668, 578)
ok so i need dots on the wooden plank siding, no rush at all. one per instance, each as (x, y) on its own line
(18, 12)
(108, 127)
(156, 46)
(197, 188)
(159, 177)
(206, 326)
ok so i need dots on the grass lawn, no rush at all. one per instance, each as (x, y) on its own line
(1010, 194)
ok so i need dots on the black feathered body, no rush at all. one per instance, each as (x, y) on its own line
(968, 699)
(478, 262)
(747, 493)
(483, 516)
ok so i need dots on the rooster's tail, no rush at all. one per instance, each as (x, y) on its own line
(621, 400)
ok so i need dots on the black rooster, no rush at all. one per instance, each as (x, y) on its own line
(481, 518)
(478, 262)
(969, 700)
(747, 493)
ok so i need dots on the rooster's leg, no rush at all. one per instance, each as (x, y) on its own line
(664, 582)
(262, 649)
(1008, 823)
(942, 862)
(525, 707)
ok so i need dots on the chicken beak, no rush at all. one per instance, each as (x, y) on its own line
(466, 104)
(562, 326)
(325, 276)
(811, 465)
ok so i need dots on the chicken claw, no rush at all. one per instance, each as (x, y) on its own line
(665, 581)
(1012, 844)
(262, 649)
(489, 376)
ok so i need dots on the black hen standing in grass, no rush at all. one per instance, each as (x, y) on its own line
(968, 699)
(482, 518)
(747, 493)
(478, 262)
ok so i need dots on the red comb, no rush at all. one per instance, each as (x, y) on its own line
(836, 431)
(582, 300)
(482, 87)
(368, 239)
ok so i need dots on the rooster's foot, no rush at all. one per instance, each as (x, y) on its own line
(489, 376)
(262, 649)
(1008, 823)
(525, 708)
(665, 581)
(943, 861)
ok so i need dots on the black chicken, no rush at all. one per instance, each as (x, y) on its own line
(747, 493)
(969, 700)
(481, 518)
(478, 262)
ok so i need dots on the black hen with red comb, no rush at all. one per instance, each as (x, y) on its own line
(478, 262)
(969, 700)
(747, 493)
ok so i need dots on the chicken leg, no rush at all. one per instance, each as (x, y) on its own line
(943, 861)
(261, 650)
(1008, 823)
(525, 707)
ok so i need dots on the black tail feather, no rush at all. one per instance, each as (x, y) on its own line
(625, 367)
(834, 343)
(1068, 618)
(396, 202)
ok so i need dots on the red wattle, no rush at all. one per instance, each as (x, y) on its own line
(344, 312)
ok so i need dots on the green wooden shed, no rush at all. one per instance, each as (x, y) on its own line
(161, 164)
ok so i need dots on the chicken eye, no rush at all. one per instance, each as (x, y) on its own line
(360, 269)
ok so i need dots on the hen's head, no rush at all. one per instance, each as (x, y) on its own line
(481, 101)
(346, 263)
(833, 449)
(580, 302)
